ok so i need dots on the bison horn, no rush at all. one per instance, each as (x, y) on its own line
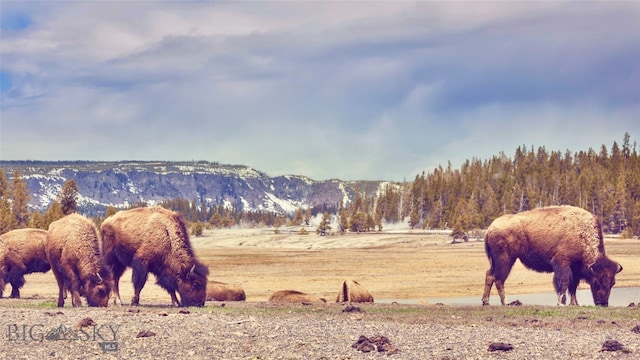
(591, 269)
(619, 268)
(99, 278)
(192, 272)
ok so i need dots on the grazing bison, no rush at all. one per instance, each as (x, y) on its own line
(21, 252)
(219, 291)
(352, 291)
(154, 240)
(73, 251)
(293, 296)
(565, 240)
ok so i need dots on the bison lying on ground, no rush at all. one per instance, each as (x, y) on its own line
(565, 240)
(73, 251)
(352, 291)
(21, 252)
(154, 240)
(293, 296)
(219, 291)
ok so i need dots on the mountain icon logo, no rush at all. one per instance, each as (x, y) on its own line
(61, 333)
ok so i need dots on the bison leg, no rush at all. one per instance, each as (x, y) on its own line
(16, 278)
(573, 287)
(62, 292)
(562, 277)
(118, 270)
(139, 278)
(15, 291)
(488, 284)
(501, 264)
(174, 299)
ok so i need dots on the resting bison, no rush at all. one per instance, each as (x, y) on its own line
(21, 252)
(219, 291)
(352, 291)
(73, 251)
(293, 296)
(564, 240)
(154, 240)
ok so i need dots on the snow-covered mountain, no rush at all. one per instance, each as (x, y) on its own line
(123, 183)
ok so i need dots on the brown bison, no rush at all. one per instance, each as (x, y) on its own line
(565, 240)
(219, 291)
(293, 296)
(352, 291)
(154, 240)
(73, 251)
(21, 252)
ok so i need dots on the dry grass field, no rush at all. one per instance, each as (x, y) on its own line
(409, 266)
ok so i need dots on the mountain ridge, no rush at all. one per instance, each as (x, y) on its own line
(124, 183)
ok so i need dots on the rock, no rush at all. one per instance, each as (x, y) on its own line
(499, 346)
(376, 342)
(86, 322)
(351, 308)
(515, 303)
(636, 329)
(612, 345)
(145, 333)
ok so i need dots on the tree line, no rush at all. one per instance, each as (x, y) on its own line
(607, 183)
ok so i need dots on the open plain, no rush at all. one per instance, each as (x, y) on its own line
(397, 267)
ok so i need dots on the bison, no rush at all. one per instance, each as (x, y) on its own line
(21, 252)
(565, 240)
(352, 291)
(73, 250)
(219, 291)
(293, 296)
(154, 240)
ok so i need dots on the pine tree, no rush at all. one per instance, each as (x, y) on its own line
(68, 197)
(36, 221)
(324, 226)
(343, 219)
(7, 220)
(53, 213)
(20, 204)
(297, 219)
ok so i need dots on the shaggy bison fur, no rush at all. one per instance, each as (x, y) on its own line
(293, 296)
(352, 291)
(73, 251)
(219, 291)
(565, 240)
(21, 252)
(154, 240)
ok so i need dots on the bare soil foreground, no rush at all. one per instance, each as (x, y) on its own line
(401, 266)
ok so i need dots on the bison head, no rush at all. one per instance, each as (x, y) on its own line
(192, 285)
(97, 288)
(602, 276)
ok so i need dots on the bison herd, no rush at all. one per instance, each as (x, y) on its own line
(88, 262)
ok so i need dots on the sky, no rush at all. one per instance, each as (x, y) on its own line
(357, 90)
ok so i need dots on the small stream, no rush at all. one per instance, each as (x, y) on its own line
(619, 297)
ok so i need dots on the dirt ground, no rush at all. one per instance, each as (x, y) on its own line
(414, 265)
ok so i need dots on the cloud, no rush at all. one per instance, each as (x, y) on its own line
(352, 90)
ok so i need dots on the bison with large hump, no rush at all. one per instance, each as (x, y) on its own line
(73, 250)
(22, 252)
(154, 240)
(565, 240)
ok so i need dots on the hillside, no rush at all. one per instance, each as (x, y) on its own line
(124, 183)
